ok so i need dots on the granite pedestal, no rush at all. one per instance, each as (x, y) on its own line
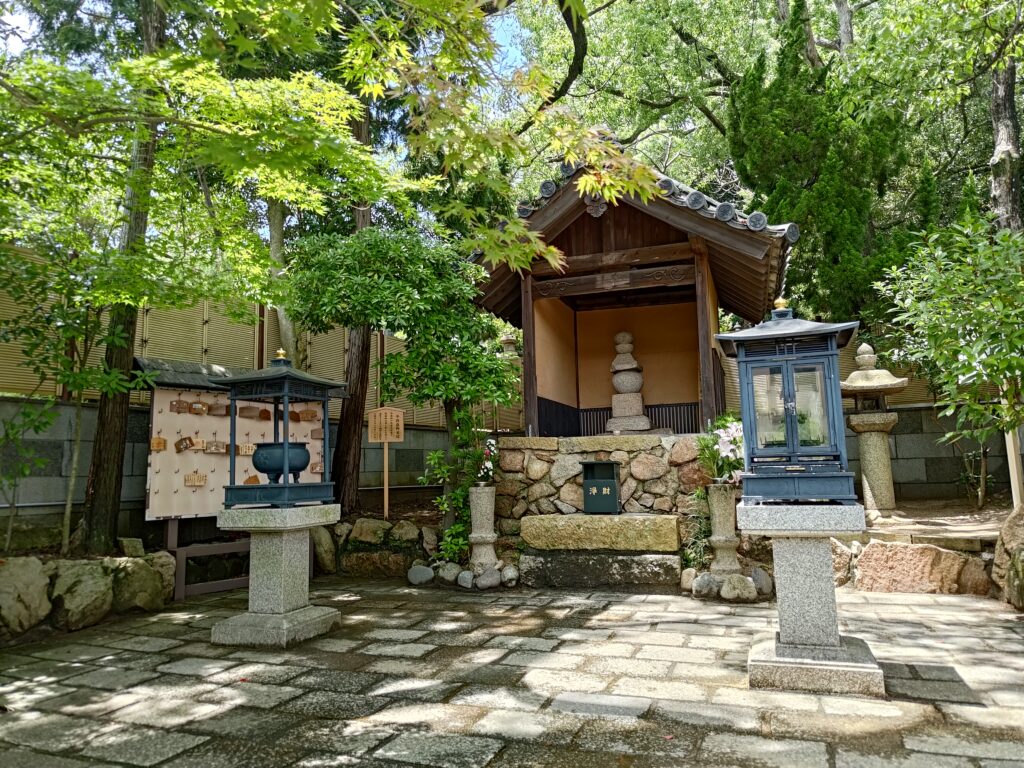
(808, 653)
(875, 463)
(279, 611)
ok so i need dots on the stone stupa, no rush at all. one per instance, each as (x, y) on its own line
(628, 380)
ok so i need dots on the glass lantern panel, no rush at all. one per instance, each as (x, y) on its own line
(769, 407)
(811, 415)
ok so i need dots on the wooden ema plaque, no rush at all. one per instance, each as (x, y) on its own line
(386, 425)
(195, 479)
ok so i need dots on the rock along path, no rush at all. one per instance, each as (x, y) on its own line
(429, 677)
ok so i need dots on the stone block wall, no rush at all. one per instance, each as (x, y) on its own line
(544, 476)
(924, 467)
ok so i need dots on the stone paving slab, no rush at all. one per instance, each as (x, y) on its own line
(516, 679)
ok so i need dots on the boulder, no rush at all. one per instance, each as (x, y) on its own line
(536, 469)
(706, 585)
(663, 504)
(380, 563)
(1014, 590)
(82, 593)
(547, 507)
(571, 494)
(420, 574)
(632, 506)
(465, 579)
(649, 533)
(489, 579)
(565, 468)
(842, 562)
(131, 547)
(894, 567)
(519, 509)
(686, 580)
(540, 491)
(511, 460)
(565, 509)
(23, 595)
(683, 452)
(341, 533)
(646, 466)
(324, 549)
(369, 530)
(448, 573)
(164, 564)
(508, 527)
(737, 588)
(137, 586)
(974, 579)
(762, 581)
(405, 532)
(646, 500)
(509, 486)
(626, 489)
(429, 539)
(509, 576)
(691, 477)
(1011, 539)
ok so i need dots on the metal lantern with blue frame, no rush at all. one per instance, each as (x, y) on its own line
(792, 408)
(282, 461)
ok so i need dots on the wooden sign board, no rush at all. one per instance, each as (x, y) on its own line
(386, 425)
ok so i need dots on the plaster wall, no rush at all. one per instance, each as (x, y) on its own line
(556, 351)
(665, 344)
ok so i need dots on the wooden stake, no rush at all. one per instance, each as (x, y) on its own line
(386, 479)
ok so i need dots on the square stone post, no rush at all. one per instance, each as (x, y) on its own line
(279, 612)
(808, 653)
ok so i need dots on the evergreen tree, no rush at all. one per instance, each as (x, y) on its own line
(808, 160)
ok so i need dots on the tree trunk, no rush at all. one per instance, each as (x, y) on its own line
(12, 513)
(76, 453)
(844, 16)
(103, 492)
(345, 463)
(1005, 163)
(450, 406)
(292, 339)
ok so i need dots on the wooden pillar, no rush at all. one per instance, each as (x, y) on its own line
(530, 422)
(705, 347)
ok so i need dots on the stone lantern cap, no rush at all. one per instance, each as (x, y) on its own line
(869, 380)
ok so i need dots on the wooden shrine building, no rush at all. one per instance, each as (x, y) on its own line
(659, 270)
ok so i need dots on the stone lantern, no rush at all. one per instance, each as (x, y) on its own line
(868, 386)
(279, 513)
(798, 491)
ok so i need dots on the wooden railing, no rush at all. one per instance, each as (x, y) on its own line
(681, 418)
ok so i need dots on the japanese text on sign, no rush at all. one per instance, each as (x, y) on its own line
(386, 425)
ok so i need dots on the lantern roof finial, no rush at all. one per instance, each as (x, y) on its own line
(781, 303)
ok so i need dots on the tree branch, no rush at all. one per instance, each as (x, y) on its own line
(710, 56)
(579, 55)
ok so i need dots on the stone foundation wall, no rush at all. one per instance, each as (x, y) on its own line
(544, 476)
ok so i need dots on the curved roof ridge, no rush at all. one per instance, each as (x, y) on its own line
(683, 196)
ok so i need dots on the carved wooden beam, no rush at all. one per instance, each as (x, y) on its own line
(653, 254)
(627, 280)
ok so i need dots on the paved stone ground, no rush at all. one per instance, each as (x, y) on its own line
(518, 679)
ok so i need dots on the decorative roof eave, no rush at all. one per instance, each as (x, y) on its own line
(681, 196)
(172, 374)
